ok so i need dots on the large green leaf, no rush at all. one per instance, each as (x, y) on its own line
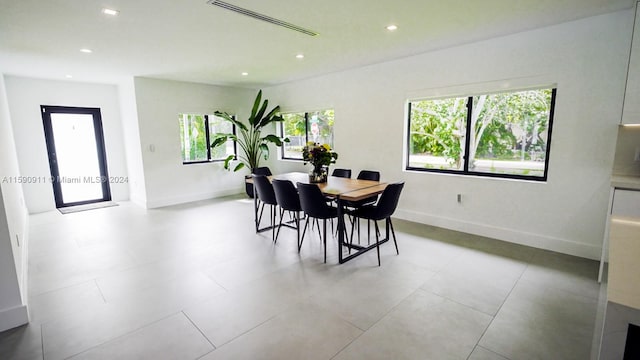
(230, 119)
(272, 139)
(221, 138)
(238, 167)
(228, 160)
(218, 140)
(271, 117)
(265, 149)
(257, 121)
(256, 103)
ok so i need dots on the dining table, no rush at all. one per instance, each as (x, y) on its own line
(342, 190)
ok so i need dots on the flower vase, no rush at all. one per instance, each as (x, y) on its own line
(318, 175)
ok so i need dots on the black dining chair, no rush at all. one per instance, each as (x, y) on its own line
(363, 175)
(314, 206)
(264, 170)
(343, 173)
(382, 210)
(267, 196)
(288, 200)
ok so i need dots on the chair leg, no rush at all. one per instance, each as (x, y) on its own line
(324, 238)
(273, 214)
(319, 234)
(296, 218)
(260, 217)
(377, 242)
(344, 229)
(279, 226)
(353, 225)
(394, 235)
(303, 231)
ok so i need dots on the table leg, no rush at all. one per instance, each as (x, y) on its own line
(341, 228)
(386, 223)
(255, 207)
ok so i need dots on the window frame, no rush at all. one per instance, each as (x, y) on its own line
(208, 142)
(306, 131)
(467, 143)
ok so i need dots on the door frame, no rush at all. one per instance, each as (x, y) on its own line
(46, 111)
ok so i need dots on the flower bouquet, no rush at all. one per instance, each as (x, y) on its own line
(320, 156)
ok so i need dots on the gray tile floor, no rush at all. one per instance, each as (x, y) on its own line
(195, 282)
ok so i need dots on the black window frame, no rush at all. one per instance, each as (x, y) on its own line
(208, 142)
(306, 132)
(306, 136)
(465, 171)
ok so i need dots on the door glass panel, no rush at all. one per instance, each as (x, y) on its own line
(77, 157)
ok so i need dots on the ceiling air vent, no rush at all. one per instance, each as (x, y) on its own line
(262, 17)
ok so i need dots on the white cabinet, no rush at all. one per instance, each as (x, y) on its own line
(624, 248)
(631, 108)
(626, 203)
(624, 269)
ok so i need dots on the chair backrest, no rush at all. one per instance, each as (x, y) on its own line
(369, 175)
(343, 173)
(312, 201)
(286, 195)
(264, 189)
(388, 201)
(264, 170)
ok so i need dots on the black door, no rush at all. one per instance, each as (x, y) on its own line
(77, 158)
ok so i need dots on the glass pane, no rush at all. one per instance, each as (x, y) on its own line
(320, 128)
(193, 138)
(511, 132)
(437, 133)
(218, 125)
(294, 128)
(77, 157)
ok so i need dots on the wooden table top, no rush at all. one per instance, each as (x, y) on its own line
(345, 188)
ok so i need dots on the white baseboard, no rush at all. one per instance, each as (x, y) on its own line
(509, 235)
(175, 200)
(138, 200)
(13, 317)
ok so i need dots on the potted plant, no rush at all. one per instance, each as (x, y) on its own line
(253, 144)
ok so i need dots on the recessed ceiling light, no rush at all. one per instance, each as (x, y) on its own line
(86, 51)
(300, 56)
(392, 27)
(110, 12)
(68, 76)
(245, 74)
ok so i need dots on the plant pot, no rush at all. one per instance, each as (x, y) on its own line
(248, 187)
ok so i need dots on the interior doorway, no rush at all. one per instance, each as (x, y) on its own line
(77, 159)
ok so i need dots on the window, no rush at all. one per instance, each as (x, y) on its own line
(302, 127)
(501, 135)
(195, 134)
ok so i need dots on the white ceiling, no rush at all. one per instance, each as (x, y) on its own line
(190, 40)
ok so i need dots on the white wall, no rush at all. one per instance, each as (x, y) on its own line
(131, 137)
(25, 96)
(167, 180)
(13, 227)
(586, 59)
